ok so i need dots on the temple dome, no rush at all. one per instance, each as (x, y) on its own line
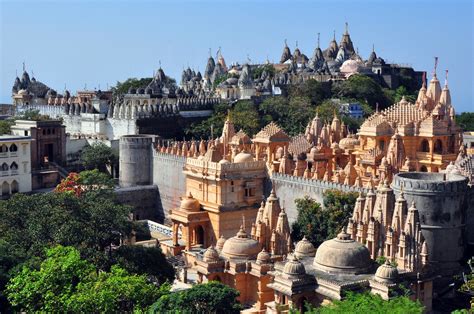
(386, 273)
(349, 67)
(243, 157)
(241, 246)
(263, 257)
(211, 255)
(348, 142)
(189, 203)
(304, 248)
(220, 243)
(293, 267)
(342, 255)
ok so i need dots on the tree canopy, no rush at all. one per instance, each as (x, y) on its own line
(466, 121)
(213, 297)
(320, 224)
(363, 303)
(66, 283)
(99, 156)
(92, 221)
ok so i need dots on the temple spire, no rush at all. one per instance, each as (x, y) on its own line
(347, 28)
(435, 66)
(446, 79)
(318, 38)
(334, 35)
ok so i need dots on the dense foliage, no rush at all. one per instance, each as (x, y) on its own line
(363, 303)
(466, 121)
(99, 156)
(319, 224)
(65, 282)
(212, 297)
(293, 111)
(29, 114)
(91, 221)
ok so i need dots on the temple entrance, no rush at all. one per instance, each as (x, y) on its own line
(423, 169)
(199, 235)
(49, 152)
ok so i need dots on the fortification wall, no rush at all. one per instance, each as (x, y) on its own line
(135, 160)
(170, 180)
(289, 188)
(144, 200)
(441, 200)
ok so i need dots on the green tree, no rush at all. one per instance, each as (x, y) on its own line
(212, 297)
(66, 283)
(33, 115)
(5, 126)
(315, 91)
(270, 69)
(363, 303)
(99, 156)
(362, 88)
(216, 122)
(320, 224)
(245, 116)
(94, 180)
(466, 121)
(148, 261)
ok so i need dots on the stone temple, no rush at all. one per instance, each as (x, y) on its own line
(414, 208)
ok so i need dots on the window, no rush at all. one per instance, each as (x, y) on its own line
(14, 166)
(382, 145)
(438, 149)
(3, 148)
(232, 186)
(425, 146)
(26, 133)
(13, 148)
(4, 167)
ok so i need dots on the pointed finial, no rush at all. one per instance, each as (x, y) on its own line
(159, 62)
(24, 67)
(296, 44)
(446, 79)
(373, 48)
(243, 222)
(424, 79)
(435, 65)
(334, 35)
(347, 28)
(286, 44)
(319, 34)
(376, 107)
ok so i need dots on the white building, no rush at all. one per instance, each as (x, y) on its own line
(15, 164)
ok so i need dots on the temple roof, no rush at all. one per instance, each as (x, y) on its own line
(272, 132)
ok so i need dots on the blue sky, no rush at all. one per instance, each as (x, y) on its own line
(99, 42)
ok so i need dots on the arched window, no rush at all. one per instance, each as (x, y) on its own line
(425, 146)
(5, 188)
(382, 145)
(14, 166)
(49, 131)
(199, 235)
(438, 148)
(13, 148)
(423, 169)
(4, 167)
(15, 188)
(3, 148)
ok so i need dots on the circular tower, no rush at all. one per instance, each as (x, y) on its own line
(440, 200)
(135, 160)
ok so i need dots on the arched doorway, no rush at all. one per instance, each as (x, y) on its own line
(5, 188)
(302, 303)
(425, 146)
(199, 235)
(423, 169)
(15, 187)
(438, 148)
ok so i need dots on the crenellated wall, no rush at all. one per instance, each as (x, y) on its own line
(290, 188)
(168, 176)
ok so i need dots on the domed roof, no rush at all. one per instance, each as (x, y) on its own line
(263, 257)
(211, 255)
(386, 273)
(224, 161)
(304, 248)
(23, 92)
(348, 142)
(189, 203)
(350, 66)
(241, 246)
(342, 255)
(220, 243)
(293, 267)
(243, 157)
